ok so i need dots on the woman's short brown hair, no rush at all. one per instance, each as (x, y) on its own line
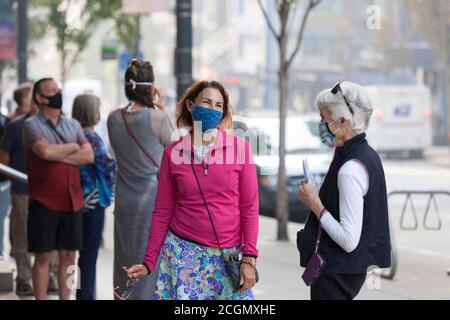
(184, 117)
(139, 71)
(86, 109)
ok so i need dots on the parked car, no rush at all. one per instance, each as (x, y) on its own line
(302, 141)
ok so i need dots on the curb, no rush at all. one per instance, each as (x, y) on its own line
(8, 296)
(6, 282)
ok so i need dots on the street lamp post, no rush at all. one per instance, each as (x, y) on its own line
(137, 32)
(183, 51)
(22, 9)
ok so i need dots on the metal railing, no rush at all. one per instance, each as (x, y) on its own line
(13, 174)
(390, 272)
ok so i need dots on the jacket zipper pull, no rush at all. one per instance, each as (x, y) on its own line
(206, 171)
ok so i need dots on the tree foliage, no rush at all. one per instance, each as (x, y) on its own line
(73, 31)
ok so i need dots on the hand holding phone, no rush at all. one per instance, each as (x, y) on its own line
(308, 176)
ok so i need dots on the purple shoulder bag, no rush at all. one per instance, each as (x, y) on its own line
(316, 263)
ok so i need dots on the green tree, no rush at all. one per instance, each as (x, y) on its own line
(285, 10)
(126, 25)
(73, 34)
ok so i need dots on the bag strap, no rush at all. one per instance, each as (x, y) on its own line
(137, 141)
(206, 205)
(319, 233)
(52, 126)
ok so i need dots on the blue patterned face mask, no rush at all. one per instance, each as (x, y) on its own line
(209, 118)
(325, 133)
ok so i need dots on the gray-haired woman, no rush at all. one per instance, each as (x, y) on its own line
(351, 206)
(97, 181)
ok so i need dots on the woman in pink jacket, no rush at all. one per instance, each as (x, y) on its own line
(206, 206)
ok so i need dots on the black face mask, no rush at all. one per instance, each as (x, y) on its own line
(54, 101)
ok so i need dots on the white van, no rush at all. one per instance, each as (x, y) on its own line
(401, 119)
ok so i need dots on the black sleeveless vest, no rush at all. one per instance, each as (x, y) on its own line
(374, 248)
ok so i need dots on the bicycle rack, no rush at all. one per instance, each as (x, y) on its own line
(390, 272)
(431, 200)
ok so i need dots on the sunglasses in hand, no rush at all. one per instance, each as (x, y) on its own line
(128, 287)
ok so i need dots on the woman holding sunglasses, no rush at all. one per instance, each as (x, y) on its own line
(351, 207)
(206, 209)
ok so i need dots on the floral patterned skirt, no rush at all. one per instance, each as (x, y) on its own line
(189, 271)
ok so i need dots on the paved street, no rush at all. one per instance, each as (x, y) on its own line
(423, 255)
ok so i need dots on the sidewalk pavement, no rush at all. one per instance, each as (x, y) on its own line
(280, 273)
(6, 281)
(278, 266)
(8, 296)
(439, 156)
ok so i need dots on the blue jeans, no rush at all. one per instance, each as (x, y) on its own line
(5, 205)
(93, 222)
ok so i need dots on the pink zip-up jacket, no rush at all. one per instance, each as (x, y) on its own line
(229, 184)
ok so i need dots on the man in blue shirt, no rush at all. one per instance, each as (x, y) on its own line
(4, 186)
(12, 154)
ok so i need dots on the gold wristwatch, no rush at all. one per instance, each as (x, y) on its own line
(249, 260)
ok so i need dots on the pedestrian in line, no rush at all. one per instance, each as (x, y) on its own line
(55, 147)
(5, 185)
(25, 103)
(12, 154)
(138, 134)
(351, 206)
(97, 181)
(206, 209)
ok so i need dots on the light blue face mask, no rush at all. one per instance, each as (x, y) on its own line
(325, 133)
(208, 118)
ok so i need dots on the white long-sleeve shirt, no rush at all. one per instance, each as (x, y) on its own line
(353, 184)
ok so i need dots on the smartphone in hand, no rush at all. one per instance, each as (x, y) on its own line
(308, 176)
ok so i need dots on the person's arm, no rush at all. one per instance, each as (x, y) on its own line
(164, 128)
(353, 181)
(53, 152)
(249, 210)
(249, 203)
(84, 155)
(33, 139)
